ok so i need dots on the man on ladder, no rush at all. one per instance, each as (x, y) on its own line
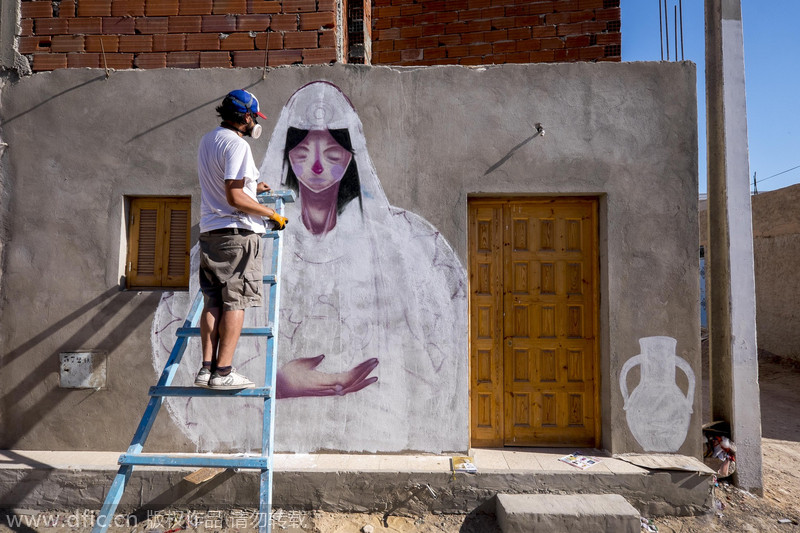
(231, 224)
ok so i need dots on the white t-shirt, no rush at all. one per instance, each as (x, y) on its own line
(223, 155)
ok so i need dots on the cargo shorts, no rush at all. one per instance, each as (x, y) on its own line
(230, 270)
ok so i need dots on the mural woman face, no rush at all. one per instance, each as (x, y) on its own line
(319, 162)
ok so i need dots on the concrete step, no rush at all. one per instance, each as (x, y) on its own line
(47, 480)
(569, 513)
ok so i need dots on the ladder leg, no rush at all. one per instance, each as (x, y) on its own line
(265, 505)
(265, 491)
(270, 373)
(113, 497)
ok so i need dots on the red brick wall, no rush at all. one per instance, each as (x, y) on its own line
(474, 32)
(125, 34)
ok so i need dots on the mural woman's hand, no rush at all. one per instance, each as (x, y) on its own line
(299, 378)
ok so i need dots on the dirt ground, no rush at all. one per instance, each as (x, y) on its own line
(735, 510)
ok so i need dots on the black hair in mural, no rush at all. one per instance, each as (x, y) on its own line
(349, 187)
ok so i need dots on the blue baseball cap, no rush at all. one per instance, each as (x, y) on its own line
(244, 102)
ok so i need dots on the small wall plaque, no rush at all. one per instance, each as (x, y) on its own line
(82, 370)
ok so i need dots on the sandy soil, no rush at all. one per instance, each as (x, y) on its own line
(735, 510)
(347, 523)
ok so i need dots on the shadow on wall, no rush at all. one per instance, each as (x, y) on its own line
(539, 133)
(46, 100)
(216, 100)
(183, 491)
(29, 479)
(108, 304)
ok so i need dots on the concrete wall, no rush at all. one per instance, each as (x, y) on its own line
(776, 249)
(78, 143)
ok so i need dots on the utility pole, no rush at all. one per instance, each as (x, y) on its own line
(731, 310)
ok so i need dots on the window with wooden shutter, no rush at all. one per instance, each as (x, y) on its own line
(158, 247)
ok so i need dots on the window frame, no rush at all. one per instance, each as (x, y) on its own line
(154, 244)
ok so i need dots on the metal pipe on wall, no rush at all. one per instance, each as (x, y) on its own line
(660, 31)
(680, 8)
(666, 25)
(675, 26)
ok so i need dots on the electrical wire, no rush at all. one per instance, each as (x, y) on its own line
(778, 174)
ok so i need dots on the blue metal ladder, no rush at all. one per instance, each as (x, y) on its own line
(164, 388)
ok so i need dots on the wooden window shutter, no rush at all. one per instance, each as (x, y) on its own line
(158, 249)
(145, 244)
(176, 243)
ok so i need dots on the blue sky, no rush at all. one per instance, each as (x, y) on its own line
(772, 76)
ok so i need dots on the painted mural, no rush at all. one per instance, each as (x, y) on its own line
(373, 319)
(657, 410)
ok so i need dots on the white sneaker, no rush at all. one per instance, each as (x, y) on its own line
(230, 382)
(202, 377)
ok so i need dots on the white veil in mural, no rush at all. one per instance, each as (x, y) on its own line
(378, 292)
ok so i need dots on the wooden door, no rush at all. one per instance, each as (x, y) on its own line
(533, 312)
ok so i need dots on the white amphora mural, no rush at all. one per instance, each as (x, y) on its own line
(657, 410)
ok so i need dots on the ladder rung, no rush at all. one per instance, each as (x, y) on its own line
(272, 234)
(259, 392)
(257, 462)
(269, 278)
(287, 196)
(246, 332)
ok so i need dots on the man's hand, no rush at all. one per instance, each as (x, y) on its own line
(300, 378)
(280, 221)
(262, 187)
